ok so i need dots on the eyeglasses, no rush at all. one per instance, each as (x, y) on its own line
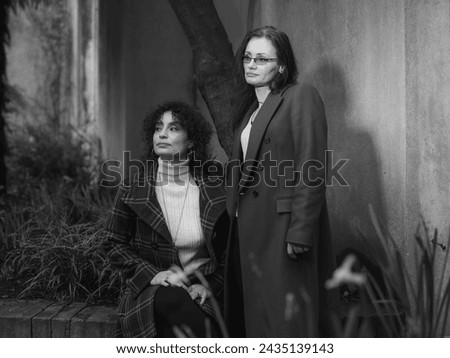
(258, 60)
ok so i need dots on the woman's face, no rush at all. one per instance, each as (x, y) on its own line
(260, 75)
(170, 140)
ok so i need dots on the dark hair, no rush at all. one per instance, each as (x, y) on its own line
(198, 130)
(286, 58)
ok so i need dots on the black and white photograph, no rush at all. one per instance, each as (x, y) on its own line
(276, 171)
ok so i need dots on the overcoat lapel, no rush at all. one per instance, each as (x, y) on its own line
(237, 149)
(143, 201)
(212, 205)
(260, 124)
(234, 172)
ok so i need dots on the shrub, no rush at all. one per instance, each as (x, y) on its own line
(418, 299)
(41, 152)
(53, 244)
(409, 299)
(51, 224)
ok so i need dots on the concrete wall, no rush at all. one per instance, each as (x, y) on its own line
(382, 68)
(427, 26)
(145, 59)
(52, 64)
(39, 64)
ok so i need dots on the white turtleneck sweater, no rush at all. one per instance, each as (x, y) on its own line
(178, 196)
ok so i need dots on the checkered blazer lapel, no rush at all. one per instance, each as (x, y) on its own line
(143, 201)
(212, 205)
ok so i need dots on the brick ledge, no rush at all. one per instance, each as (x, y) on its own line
(47, 319)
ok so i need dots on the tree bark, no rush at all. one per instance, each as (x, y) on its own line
(213, 61)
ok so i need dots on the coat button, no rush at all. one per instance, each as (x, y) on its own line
(266, 140)
(241, 193)
(255, 193)
(154, 246)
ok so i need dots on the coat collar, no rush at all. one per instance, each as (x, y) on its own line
(142, 199)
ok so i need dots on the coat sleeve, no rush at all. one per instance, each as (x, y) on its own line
(216, 279)
(120, 228)
(309, 129)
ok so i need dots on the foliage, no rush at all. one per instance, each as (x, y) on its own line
(51, 224)
(5, 8)
(419, 301)
(39, 152)
(52, 243)
(185, 331)
(51, 26)
(408, 299)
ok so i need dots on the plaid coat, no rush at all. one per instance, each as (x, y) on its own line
(140, 245)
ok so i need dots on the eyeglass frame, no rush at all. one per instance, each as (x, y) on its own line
(266, 60)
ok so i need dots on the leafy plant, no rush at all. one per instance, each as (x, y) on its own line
(409, 299)
(419, 301)
(53, 243)
(39, 152)
(51, 227)
(185, 331)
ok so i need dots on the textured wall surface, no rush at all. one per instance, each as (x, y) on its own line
(381, 66)
(146, 59)
(111, 88)
(428, 112)
(383, 70)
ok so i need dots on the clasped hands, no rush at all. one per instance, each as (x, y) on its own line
(174, 279)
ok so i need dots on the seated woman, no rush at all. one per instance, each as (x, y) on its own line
(170, 215)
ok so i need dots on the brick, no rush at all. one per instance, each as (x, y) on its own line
(94, 322)
(16, 317)
(60, 323)
(42, 322)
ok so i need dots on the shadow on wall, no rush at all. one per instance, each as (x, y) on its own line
(348, 205)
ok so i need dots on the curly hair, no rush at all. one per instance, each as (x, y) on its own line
(198, 130)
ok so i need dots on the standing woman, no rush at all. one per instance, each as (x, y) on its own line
(279, 251)
(169, 215)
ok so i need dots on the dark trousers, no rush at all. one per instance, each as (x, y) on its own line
(174, 307)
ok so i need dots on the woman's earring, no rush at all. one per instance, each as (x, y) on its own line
(281, 69)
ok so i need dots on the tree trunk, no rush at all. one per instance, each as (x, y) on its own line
(213, 60)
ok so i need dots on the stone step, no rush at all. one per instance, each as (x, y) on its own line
(39, 318)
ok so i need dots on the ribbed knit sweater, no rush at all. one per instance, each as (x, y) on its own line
(178, 196)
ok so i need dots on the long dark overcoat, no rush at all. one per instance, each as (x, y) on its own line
(278, 202)
(140, 245)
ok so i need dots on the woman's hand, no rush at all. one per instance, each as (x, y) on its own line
(167, 278)
(296, 249)
(197, 291)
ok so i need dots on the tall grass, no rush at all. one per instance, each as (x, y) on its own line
(52, 244)
(407, 298)
(51, 223)
(417, 294)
